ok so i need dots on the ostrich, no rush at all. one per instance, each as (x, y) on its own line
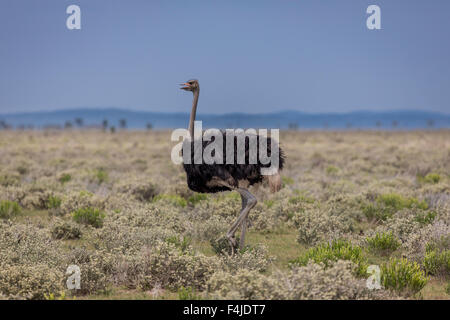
(212, 178)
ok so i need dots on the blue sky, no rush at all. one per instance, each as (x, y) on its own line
(250, 56)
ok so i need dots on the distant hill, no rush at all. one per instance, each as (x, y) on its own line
(282, 120)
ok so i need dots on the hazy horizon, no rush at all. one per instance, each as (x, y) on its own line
(226, 113)
(307, 56)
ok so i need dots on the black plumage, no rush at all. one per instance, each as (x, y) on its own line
(199, 176)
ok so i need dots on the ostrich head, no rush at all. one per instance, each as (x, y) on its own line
(191, 85)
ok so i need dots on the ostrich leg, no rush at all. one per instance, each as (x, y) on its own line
(243, 224)
(248, 202)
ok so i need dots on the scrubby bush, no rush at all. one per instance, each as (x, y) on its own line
(287, 181)
(156, 233)
(403, 276)
(89, 216)
(401, 226)
(81, 200)
(196, 198)
(53, 202)
(9, 209)
(301, 198)
(33, 281)
(182, 243)
(434, 236)
(9, 179)
(397, 202)
(330, 253)
(65, 178)
(26, 244)
(251, 258)
(164, 265)
(244, 285)
(437, 262)
(384, 242)
(187, 294)
(313, 281)
(432, 178)
(426, 217)
(221, 245)
(387, 204)
(208, 229)
(96, 267)
(101, 176)
(172, 199)
(317, 225)
(145, 192)
(130, 239)
(332, 170)
(65, 230)
(269, 218)
(31, 264)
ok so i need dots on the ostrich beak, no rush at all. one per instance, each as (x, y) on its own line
(187, 86)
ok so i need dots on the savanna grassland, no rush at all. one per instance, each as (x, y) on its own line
(116, 206)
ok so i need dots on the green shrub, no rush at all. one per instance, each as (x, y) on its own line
(269, 203)
(403, 276)
(397, 202)
(89, 216)
(437, 262)
(9, 209)
(386, 242)
(187, 294)
(52, 296)
(183, 244)
(65, 178)
(387, 204)
(431, 178)
(196, 198)
(101, 175)
(172, 199)
(425, 218)
(300, 199)
(332, 170)
(287, 180)
(447, 289)
(65, 231)
(53, 202)
(330, 253)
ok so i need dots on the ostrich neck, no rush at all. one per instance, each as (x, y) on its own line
(193, 112)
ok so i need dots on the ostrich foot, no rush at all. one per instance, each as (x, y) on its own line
(233, 243)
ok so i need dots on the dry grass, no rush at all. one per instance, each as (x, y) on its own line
(335, 186)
